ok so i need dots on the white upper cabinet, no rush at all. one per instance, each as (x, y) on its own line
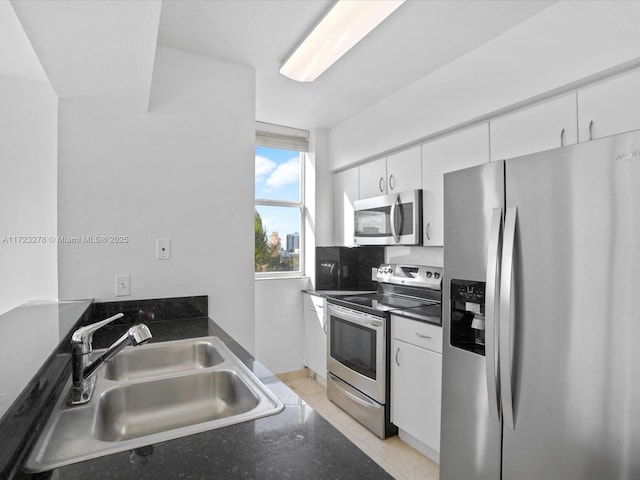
(459, 150)
(345, 192)
(540, 127)
(404, 170)
(373, 178)
(610, 107)
(396, 173)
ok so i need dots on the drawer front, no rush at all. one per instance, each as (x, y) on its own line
(420, 334)
(314, 303)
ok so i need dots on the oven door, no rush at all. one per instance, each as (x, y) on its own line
(394, 219)
(356, 350)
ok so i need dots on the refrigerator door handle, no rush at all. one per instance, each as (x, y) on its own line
(491, 309)
(506, 321)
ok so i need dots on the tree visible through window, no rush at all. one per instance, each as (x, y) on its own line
(278, 214)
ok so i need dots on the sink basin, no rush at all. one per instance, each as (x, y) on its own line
(140, 409)
(157, 392)
(161, 359)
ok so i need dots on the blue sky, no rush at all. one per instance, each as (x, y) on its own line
(277, 177)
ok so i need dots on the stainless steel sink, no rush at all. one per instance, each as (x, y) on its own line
(149, 399)
(140, 409)
(162, 359)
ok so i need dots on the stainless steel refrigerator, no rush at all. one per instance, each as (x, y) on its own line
(541, 316)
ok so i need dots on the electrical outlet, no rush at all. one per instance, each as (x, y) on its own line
(123, 285)
(163, 249)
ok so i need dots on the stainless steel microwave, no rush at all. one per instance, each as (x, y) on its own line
(394, 219)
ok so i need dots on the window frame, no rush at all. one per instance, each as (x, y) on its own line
(265, 202)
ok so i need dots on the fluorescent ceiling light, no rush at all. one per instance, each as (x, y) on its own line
(348, 22)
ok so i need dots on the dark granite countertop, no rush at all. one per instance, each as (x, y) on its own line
(296, 443)
(33, 332)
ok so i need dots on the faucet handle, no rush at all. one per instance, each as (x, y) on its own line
(84, 335)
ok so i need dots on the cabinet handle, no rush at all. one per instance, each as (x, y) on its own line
(397, 352)
(381, 184)
(591, 130)
(562, 138)
(421, 335)
(392, 183)
(427, 230)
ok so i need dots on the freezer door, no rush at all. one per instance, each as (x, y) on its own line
(470, 436)
(574, 313)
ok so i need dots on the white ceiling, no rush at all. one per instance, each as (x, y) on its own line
(92, 48)
(417, 39)
(17, 57)
(107, 47)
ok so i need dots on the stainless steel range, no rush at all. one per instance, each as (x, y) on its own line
(358, 351)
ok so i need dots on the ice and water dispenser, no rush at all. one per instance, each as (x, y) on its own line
(467, 315)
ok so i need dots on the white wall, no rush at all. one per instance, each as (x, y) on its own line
(565, 43)
(280, 323)
(279, 302)
(324, 189)
(318, 186)
(183, 171)
(433, 256)
(28, 111)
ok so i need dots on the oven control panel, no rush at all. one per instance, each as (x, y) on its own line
(414, 275)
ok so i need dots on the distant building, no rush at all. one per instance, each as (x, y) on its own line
(293, 242)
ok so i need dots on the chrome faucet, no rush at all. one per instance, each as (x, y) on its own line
(83, 378)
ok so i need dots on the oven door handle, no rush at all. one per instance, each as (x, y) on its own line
(354, 316)
(345, 391)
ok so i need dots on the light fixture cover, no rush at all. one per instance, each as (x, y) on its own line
(348, 22)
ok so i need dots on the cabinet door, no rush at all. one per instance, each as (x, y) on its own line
(416, 375)
(610, 107)
(345, 193)
(454, 152)
(315, 336)
(404, 170)
(534, 129)
(373, 178)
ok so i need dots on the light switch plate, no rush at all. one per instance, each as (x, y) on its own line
(123, 285)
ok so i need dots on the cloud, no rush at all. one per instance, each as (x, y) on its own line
(264, 167)
(285, 174)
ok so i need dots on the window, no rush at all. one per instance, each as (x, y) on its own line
(279, 194)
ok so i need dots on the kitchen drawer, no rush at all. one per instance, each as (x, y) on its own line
(314, 303)
(420, 334)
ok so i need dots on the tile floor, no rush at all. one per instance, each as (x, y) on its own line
(400, 460)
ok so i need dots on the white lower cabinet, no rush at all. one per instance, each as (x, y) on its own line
(315, 337)
(416, 379)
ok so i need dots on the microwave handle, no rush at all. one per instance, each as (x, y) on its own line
(394, 210)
